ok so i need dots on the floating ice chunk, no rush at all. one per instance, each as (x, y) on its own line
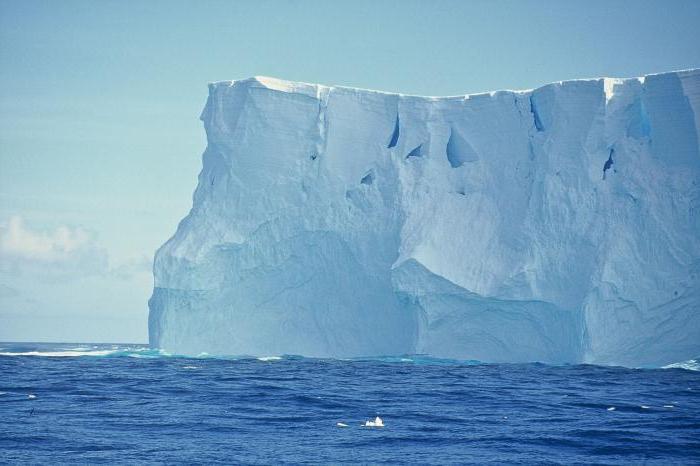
(376, 423)
(341, 424)
(612, 408)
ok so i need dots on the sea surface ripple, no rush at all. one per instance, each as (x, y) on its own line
(114, 403)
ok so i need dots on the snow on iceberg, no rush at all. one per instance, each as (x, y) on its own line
(557, 225)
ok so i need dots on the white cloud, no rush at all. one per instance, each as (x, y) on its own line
(62, 250)
(133, 266)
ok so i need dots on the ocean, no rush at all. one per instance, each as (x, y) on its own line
(63, 403)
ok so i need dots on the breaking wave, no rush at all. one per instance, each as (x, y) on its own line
(53, 350)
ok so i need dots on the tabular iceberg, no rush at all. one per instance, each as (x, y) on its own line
(560, 224)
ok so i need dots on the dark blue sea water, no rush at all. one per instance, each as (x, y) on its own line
(105, 403)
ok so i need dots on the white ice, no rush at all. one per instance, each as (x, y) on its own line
(560, 224)
(377, 422)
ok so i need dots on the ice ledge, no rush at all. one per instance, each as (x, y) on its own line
(312, 90)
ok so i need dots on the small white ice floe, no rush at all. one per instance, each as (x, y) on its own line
(31, 397)
(341, 424)
(269, 358)
(376, 423)
(612, 408)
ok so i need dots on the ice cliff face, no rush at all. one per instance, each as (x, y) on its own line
(556, 225)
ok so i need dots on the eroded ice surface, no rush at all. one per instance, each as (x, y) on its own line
(556, 225)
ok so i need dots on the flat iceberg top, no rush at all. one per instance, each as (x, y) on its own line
(559, 224)
(312, 89)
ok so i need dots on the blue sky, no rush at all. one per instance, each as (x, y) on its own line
(100, 141)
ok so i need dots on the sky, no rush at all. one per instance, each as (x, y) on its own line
(100, 138)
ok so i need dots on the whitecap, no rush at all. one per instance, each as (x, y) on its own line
(341, 424)
(58, 354)
(612, 408)
(31, 397)
(190, 367)
(691, 365)
(644, 407)
(669, 406)
(269, 358)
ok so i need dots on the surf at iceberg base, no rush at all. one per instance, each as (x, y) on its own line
(559, 225)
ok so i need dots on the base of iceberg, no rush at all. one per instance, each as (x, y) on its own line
(558, 225)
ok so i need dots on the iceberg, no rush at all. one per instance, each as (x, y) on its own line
(559, 225)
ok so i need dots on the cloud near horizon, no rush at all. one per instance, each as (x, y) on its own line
(65, 272)
(64, 250)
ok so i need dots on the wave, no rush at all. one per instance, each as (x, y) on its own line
(690, 364)
(56, 354)
(143, 351)
(94, 351)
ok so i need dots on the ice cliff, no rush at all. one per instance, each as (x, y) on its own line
(557, 225)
